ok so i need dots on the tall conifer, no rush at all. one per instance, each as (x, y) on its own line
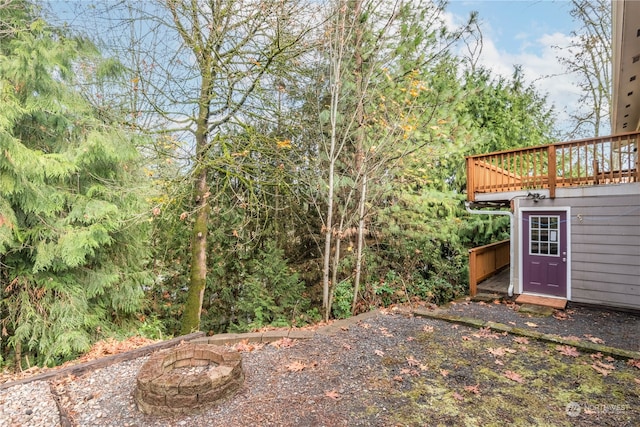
(72, 238)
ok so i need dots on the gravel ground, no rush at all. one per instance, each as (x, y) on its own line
(30, 404)
(617, 329)
(357, 377)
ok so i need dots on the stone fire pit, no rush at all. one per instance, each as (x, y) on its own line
(187, 378)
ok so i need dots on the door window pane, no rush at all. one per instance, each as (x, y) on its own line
(544, 235)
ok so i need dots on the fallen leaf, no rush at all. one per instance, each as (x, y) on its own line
(410, 339)
(444, 372)
(609, 359)
(637, 380)
(521, 340)
(475, 389)
(412, 372)
(567, 350)
(514, 376)
(531, 324)
(412, 361)
(333, 394)
(593, 339)
(378, 353)
(398, 378)
(560, 315)
(246, 346)
(597, 355)
(457, 396)
(284, 343)
(427, 328)
(634, 362)
(496, 301)
(455, 326)
(385, 332)
(346, 346)
(465, 338)
(365, 325)
(498, 362)
(500, 351)
(572, 338)
(496, 351)
(482, 303)
(605, 366)
(296, 366)
(601, 370)
(486, 333)
(512, 305)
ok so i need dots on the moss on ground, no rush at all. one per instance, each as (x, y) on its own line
(468, 377)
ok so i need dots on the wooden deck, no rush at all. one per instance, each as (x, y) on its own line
(587, 162)
(496, 284)
(486, 261)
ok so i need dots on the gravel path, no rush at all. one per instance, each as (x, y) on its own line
(344, 379)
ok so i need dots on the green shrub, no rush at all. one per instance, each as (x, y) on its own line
(342, 299)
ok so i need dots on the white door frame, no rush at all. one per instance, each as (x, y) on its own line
(522, 248)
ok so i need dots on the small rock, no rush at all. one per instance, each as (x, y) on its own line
(28, 412)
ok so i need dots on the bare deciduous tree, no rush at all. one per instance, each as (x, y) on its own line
(588, 56)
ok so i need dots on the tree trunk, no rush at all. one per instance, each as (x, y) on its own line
(361, 212)
(327, 235)
(337, 52)
(198, 273)
(360, 166)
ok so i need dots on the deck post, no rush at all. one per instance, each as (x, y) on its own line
(637, 165)
(473, 276)
(551, 170)
(471, 185)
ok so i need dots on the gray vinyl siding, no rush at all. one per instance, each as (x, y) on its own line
(605, 248)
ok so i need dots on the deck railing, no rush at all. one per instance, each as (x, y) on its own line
(485, 261)
(595, 161)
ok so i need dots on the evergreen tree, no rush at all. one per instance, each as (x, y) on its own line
(72, 235)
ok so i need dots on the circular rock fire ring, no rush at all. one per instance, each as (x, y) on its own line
(187, 378)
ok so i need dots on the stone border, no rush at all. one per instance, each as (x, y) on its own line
(294, 334)
(81, 368)
(161, 390)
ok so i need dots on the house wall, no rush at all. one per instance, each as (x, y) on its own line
(605, 243)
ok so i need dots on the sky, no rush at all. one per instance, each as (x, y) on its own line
(522, 32)
(518, 32)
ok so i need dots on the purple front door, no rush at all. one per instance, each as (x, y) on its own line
(544, 253)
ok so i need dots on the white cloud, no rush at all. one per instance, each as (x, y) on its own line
(540, 66)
